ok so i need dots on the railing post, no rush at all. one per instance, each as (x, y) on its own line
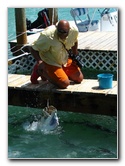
(53, 15)
(20, 26)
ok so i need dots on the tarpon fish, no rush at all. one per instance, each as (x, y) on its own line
(49, 119)
(45, 122)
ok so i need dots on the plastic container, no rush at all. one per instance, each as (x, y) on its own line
(105, 81)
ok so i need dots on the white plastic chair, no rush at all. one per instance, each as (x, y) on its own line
(84, 25)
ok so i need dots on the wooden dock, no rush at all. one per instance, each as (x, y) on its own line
(95, 40)
(91, 40)
(85, 97)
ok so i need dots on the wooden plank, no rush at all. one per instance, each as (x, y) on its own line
(85, 97)
(111, 43)
(97, 40)
(84, 36)
(92, 40)
(20, 82)
(42, 86)
(74, 102)
(86, 86)
(90, 86)
(101, 42)
(104, 44)
(14, 77)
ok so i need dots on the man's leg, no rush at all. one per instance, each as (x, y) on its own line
(56, 75)
(73, 72)
(35, 75)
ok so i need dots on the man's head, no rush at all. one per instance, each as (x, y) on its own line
(63, 28)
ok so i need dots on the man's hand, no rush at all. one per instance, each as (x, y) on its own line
(74, 48)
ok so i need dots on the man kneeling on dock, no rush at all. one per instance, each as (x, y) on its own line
(51, 51)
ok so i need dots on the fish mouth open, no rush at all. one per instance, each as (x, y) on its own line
(47, 111)
(50, 113)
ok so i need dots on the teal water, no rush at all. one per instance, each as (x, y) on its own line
(31, 14)
(77, 136)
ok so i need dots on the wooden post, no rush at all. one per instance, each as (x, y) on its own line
(20, 26)
(53, 15)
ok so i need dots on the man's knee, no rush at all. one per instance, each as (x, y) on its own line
(77, 77)
(63, 84)
(80, 78)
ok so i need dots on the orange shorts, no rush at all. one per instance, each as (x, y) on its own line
(61, 74)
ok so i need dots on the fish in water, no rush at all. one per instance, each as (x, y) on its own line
(46, 122)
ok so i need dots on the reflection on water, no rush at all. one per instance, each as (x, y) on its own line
(77, 136)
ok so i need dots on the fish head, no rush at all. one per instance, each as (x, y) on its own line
(51, 118)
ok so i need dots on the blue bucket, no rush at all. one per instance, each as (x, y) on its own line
(105, 81)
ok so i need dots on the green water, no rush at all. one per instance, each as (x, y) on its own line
(77, 136)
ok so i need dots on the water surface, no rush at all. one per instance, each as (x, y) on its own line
(77, 136)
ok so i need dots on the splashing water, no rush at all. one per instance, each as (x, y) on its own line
(46, 122)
